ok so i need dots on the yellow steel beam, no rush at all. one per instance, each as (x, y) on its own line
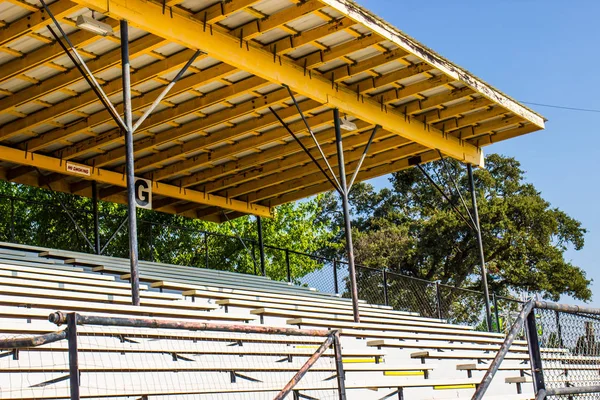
(252, 166)
(24, 4)
(297, 166)
(188, 32)
(225, 152)
(53, 136)
(257, 160)
(113, 178)
(309, 180)
(239, 88)
(387, 32)
(36, 20)
(369, 172)
(45, 54)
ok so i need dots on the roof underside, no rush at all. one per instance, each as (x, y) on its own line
(213, 133)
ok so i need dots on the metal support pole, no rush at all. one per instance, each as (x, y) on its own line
(335, 277)
(73, 359)
(131, 207)
(558, 328)
(346, 208)
(288, 267)
(486, 293)
(12, 220)
(496, 312)
(339, 366)
(438, 298)
(261, 245)
(97, 246)
(206, 248)
(151, 241)
(534, 353)
(385, 288)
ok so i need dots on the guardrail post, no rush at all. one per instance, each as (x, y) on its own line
(535, 357)
(335, 277)
(438, 297)
(287, 265)
(73, 359)
(339, 366)
(385, 288)
(496, 313)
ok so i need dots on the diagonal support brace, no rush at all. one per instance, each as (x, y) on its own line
(83, 68)
(165, 91)
(362, 158)
(314, 160)
(312, 134)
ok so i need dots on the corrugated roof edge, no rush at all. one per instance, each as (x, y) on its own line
(378, 25)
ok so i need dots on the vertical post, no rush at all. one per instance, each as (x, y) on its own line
(558, 328)
(261, 245)
(131, 207)
(497, 313)
(339, 366)
(73, 359)
(335, 277)
(385, 288)
(206, 247)
(346, 208)
(97, 246)
(151, 241)
(287, 265)
(535, 356)
(438, 299)
(486, 293)
(12, 219)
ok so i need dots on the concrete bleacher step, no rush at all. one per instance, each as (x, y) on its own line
(16, 272)
(35, 282)
(295, 305)
(383, 320)
(91, 307)
(248, 292)
(62, 391)
(55, 271)
(122, 298)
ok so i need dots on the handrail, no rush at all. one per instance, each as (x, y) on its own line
(510, 338)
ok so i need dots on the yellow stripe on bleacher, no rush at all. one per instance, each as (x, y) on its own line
(306, 347)
(447, 387)
(403, 373)
(359, 360)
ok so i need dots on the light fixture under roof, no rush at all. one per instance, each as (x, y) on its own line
(347, 125)
(94, 26)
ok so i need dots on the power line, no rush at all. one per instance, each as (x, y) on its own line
(562, 107)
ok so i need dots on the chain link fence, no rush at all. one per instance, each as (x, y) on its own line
(574, 361)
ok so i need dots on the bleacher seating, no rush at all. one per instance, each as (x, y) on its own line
(390, 352)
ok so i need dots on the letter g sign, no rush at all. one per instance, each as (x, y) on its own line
(143, 193)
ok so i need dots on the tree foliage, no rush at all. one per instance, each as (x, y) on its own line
(411, 229)
(36, 217)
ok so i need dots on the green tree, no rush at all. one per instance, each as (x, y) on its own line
(36, 217)
(410, 228)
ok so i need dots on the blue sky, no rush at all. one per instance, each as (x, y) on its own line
(542, 51)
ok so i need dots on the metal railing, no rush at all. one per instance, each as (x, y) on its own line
(183, 245)
(564, 350)
(86, 343)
